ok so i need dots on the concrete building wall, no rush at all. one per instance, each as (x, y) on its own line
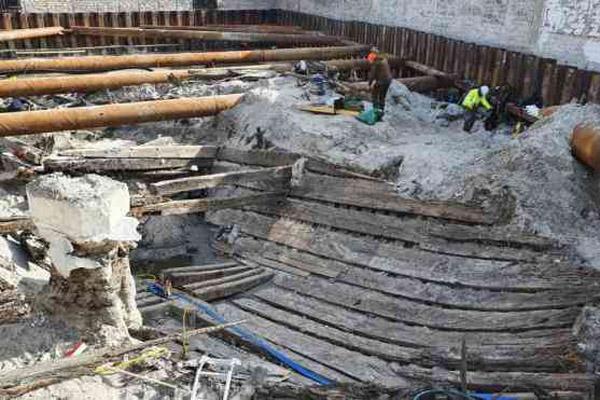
(567, 30)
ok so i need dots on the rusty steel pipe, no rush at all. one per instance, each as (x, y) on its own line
(105, 63)
(86, 83)
(416, 84)
(359, 63)
(586, 145)
(19, 34)
(31, 122)
(92, 82)
(280, 38)
(427, 70)
(233, 28)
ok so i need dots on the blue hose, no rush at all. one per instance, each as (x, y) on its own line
(246, 335)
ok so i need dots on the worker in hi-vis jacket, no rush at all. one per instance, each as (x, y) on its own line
(475, 103)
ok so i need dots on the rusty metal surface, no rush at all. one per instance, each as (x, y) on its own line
(234, 28)
(586, 145)
(105, 63)
(415, 84)
(280, 38)
(86, 82)
(54, 120)
(21, 34)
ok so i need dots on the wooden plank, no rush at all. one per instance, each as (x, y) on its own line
(268, 158)
(238, 276)
(385, 350)
(382, 196)
(358, 366)
(447, 238)
(535, 350)
(197, 268)
(120, 164)
(258, 261)
(187, 152)
(414, 289)
(185, 278)
(280, 175)
(231, 337)
(194, 206)
(373, 369)
(410, 262)
(15, 225)
(306, 262)
(232, 288)
(411, 312)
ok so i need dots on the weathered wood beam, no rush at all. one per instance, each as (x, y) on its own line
(54, 120)
(464, 241)
(229, 286)
(186, 278)
(69, 164)
(278, 174)
(158, 152)
(380, 195)
(272, 158)
(194, 206)
(15, 225)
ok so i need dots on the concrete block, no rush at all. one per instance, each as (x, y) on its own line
(91, 208)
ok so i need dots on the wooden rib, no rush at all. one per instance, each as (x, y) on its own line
(231, 337)
(372, 369)
(411, 312)
(517, 359)
(410, 262)
(185, 278)
(385, 329)
(278, 174)
(357, 366)
(443, 295)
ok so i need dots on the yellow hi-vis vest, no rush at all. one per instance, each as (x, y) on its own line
(474, 100)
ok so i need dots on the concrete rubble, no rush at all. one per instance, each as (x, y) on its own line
(85, 222)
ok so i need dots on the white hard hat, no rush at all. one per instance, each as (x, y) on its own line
(484, 90)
